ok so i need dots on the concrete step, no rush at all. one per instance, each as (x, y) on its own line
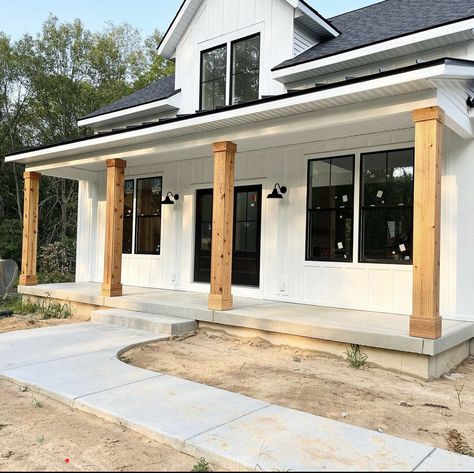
(162, 324)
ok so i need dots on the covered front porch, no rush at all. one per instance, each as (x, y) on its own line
(383, 337)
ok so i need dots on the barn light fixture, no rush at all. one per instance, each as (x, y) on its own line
(278, 192)
(170, 199)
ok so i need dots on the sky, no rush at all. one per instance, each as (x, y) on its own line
(26, 16)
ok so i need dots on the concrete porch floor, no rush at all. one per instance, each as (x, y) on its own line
(384, 336)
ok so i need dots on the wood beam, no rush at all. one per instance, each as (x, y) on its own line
(28, 275)
(426, 321)
(220, 297)
(112, 285)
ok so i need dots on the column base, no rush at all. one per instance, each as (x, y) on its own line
(431, 329)
(28, 280)
(221, 303)
(116, 291)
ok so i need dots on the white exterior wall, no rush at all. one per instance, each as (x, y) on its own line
(219, 22)
(285, 275)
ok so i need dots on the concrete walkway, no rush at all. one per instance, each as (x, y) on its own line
(78, 365)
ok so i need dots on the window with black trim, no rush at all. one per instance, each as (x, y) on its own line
(330, 209)
(142, 215)
(213, 78)
(386, 222)
(128, 217)
(245, 80)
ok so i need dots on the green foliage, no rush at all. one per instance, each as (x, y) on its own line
(356, 359)
(47, 84)
(201, 465)
(46, 310)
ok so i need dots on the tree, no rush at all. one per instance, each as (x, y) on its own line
(47, 84)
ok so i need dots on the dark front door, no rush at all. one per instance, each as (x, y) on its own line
(247, 236)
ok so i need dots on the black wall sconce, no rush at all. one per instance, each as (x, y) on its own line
(278, 192)
(170, 199)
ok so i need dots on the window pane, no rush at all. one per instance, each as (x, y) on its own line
(251, 241)
(321, 184)
(400, 176)
(206, 207)
(240, 236)
(246, 70)
(342, 171)
(213, 78)
(148, 223)
(252, 206)
(149, 196)
(128, 201)
(330, 234)
(148, 235)
(374, 176)
(127, 235)
(219, 93)
(241, 207)
(206, 238)
(207, 97)
(388, 234)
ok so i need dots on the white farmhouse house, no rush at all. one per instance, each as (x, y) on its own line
(294, 163)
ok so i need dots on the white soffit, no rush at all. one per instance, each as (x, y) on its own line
(365, 91)
(416, 43)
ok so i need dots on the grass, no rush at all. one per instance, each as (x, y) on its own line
(356, 359)
(202, 465)
(46, 310)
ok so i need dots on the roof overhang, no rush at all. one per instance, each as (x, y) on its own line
(188, 9)
(143, 111)
(406, 81)
(381, 51)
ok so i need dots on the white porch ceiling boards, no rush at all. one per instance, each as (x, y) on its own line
(265, 123)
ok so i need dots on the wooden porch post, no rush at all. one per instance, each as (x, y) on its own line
(30, 229)
(112, 285)
(222, 227)
(429, 129)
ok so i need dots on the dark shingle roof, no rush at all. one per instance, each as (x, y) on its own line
(158, 90)
(383, 21)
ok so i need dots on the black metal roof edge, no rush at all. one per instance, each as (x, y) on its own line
(90, 117)
(357, 80)
(171, 24)
(282, 66)
(320, 16)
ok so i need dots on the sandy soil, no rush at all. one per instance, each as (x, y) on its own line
(39, 434)
(427, 412)
(26, 322)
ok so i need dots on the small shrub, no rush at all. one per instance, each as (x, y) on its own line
(54, 262)
(201, 465)
(37, 404)
(55, 310)
(356, 359)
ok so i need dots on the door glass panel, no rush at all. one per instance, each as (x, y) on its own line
(251, 241)
(241, 207)
(206, 236)
(206, 208)
(253, 206)
(240, 236)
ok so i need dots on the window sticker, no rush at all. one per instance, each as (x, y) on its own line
(403, 248)
(340, 246)
(345, 199)
(379, 194)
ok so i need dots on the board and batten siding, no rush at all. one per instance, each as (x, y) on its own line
(285, 274)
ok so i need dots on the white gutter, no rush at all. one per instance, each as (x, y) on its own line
(288, 74)
(249, 114)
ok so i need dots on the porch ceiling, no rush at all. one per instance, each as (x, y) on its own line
(377, 103)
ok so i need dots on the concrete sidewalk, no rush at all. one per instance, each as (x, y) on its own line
(78, 365)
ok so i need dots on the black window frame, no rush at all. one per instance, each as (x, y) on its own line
(231, 71)
(135, 218)
(130, 217)
(201, 75)
(363, 208)
(309, 210)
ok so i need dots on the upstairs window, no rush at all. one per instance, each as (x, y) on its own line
(213, 78)
(245, 69)
(330, 209)
(387, 207)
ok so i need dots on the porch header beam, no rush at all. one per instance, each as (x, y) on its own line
(425, 321)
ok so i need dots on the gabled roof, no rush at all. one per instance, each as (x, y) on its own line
(188, 9)
(383, 21)
(158, 90)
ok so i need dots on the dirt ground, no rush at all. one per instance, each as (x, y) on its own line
(427, 412)
(39, 434)
(26, 322)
